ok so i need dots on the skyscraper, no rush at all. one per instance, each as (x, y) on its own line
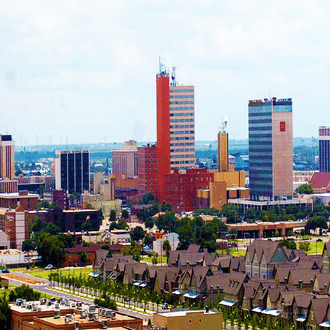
(72, 170)
(7, 158)
(324, 149)
(223, 156)
(182, 125)
(270, 149)
(163, 130)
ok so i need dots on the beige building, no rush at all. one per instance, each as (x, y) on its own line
(7, 158)
(182, 125)
(185, 320)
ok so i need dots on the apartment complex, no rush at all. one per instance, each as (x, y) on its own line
(72, 170)
(324, 149)
(271, 149)
(182, 125)
(7, 157)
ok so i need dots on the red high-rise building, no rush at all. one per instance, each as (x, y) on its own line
(147, 170)
(163, 132)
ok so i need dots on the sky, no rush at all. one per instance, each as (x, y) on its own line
(85, 71)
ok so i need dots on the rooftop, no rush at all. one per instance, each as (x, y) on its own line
(184, 313)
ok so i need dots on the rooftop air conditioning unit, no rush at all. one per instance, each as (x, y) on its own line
(83, 314)
(96, 317)
(91, 316)
(18, 302)
(108, 313)
(57, 314)
(34, 306)
(79, 304)
(76, 325)
(104, 324)
(113, 316)
(91, 308)
(68, 318)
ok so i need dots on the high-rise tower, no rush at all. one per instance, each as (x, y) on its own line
(7, 157)
(182, 125)
(163, 130)
(270, 149)
(223, 157)
(324, 149)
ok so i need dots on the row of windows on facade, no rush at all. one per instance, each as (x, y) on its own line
(182, 132)
(182, 138)
(182, 156)
(181, 120)
(181, 90)
(182, 96)
(184, 162)
(182, 126)
(183, 150)
(182, 144)
(181, 102)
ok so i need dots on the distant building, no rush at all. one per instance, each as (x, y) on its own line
(124, 161)
(72, 171)
(324, 149)
(270, 149)
(7, 157)
(28, 201)
(157, 245)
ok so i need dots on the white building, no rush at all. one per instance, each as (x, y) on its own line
(173, 238)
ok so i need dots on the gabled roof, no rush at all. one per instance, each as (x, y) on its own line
(320, 180)
(100, 257)
(194, 248)
(320, 307)
(323, 280)
(236, 263)
(306, 276)
(199, 274)
(263, 247)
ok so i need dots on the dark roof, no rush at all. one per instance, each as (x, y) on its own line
(263, 247)
(306, 276)
(100, 257)
(320, 307)
(193, 248)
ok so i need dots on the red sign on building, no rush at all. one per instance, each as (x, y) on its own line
(282, 126)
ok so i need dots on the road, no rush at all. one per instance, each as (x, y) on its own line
(44, 288)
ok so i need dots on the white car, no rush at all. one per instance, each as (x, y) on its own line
(49, 267)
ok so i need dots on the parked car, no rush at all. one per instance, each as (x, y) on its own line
(319, 240)
(5, 271)
(49, 267)
(165, 305)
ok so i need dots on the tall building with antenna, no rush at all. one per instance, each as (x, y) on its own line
(182, 125)
(223, 156)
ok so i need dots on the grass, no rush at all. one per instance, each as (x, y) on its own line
(73, 271)
(315, 247)
(233, 252)
(160, 259)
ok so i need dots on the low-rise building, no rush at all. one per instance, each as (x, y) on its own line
(183, 320)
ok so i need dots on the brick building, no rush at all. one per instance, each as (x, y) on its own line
(73, 255)
(28, 201)
(181, 188)
(147, 171)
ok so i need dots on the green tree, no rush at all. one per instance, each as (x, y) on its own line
(86, 225)
(186, 234)
(167, 247)
(83, 257)
(304, 246)
(148, 240)
(147, 198)
(45, 204)
(149, 223)
(100, 213)
(24, 292)
(137, 233)
(89, 206)
(112, 215)
(28, 245)
(5, 314)
(305, 189)
(51, 249)
(67, 240)
(125, 214)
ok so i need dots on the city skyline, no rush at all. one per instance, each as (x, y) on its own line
(84, 72)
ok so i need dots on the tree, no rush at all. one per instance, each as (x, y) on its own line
(5, 314)
(317, 222)
(149, 223)
(50, 249)
(67, 240)
(147, 198)
(87, 225)
(83, 257)
(289, 243)
(24, 292)
(148, 240)
(154, 258)
(45, 204)
(89, 206)
(186, 234)
(208, 237)
(304, 246)
(305, 189)
(112, 215)
(137, 233)
(101, 216)
(28, 245)
(125, 214)
(167, 247)
(165, 207)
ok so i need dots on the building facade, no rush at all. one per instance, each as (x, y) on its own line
(324, 149)
(182, 126)
(147, 173)
(270, 149)
(7, 157)
(72, 171)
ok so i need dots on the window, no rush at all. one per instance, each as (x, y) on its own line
(200, 320)
(190, 321)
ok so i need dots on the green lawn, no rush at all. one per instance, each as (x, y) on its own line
(314, 247)
(73, 271)
(233, 252)
(160, 259)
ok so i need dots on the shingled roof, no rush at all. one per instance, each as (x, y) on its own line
(320, 181)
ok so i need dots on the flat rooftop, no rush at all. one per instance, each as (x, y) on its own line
(16, 195)
(184, 313)
(243, 201)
